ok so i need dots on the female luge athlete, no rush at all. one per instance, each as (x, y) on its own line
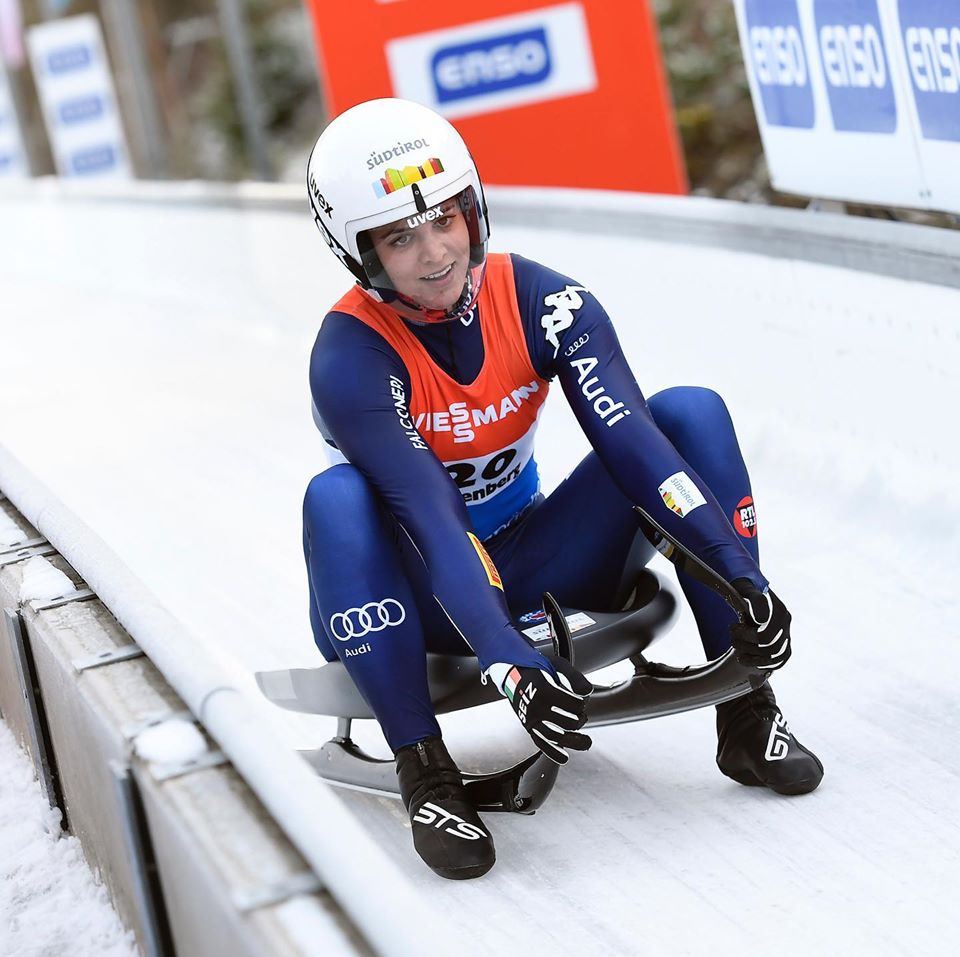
(428, 378)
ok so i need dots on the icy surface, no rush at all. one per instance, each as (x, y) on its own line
(171, 742)
(49, 903)
(44, 581)
(186, 359)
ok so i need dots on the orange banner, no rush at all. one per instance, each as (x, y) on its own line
(569, 94)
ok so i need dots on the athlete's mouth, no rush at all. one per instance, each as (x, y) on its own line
(442, 274)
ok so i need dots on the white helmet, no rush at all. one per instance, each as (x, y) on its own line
(391, 159)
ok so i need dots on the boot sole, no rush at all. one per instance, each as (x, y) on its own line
(750, 780)
(463, 873)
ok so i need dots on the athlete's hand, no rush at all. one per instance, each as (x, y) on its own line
(762, 639)
(551, 709)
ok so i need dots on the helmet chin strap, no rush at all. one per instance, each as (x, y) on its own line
(426, 316)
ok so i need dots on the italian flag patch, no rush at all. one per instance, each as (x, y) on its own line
(510, 683)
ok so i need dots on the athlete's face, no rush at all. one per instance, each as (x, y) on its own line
(427, 263)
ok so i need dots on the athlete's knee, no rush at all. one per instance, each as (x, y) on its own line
(340, 492)
(342, 515)
(686, 408)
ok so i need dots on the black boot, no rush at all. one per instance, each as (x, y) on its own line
(756, 747)
(447, 832)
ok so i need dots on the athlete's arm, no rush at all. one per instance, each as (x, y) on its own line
(577, 343)
(361, 391)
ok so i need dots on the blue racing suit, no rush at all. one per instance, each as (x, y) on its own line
(410, 550)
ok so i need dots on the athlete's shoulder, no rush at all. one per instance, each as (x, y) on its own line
(541, 290)
(535, 277)
(347, 355)
(550, 304)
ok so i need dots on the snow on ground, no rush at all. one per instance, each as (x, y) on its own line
(50, 905)
(178, 341)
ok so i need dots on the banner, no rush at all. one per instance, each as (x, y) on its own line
(76, 92)
(563, 94)
(858, 100)
(11, 34)
(13, 162)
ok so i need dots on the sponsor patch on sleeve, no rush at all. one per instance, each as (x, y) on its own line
(493, 576)
(745, 518)
(680, 494)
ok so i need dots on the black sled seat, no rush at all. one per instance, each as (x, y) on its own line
(593, 640)
(599, 639)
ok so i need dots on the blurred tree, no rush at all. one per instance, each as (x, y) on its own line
(711, 97)
(286, 76)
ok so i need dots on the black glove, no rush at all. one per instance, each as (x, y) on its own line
(552, 710)
(762, 639)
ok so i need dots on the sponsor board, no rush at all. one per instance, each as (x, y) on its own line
(495, 64)
(780, 62)
(12, 155)
(75, 87)
(856, 67)
(858, 100)
(515, 77)
(929, 31)
(931, 41)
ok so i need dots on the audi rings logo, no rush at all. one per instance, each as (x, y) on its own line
(373, 616)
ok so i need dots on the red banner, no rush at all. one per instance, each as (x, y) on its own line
(571, 94)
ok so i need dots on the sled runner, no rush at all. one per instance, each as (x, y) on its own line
(590, 640)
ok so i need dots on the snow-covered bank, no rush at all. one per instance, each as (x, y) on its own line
(183, 364)
(50, 904)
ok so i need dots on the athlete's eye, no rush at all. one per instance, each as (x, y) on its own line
(443, 221)
(399, 241)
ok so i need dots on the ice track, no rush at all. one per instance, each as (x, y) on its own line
(153, 374)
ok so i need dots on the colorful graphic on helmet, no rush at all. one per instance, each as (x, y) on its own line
(394, 179)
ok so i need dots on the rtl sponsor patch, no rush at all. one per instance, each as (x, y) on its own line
(745, 517)
(493, 576)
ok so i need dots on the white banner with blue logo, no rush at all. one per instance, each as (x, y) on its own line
(858, 99)
(496, 64)
(76, 92)
(13, 161)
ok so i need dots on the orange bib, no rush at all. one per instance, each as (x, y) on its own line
(482, 432)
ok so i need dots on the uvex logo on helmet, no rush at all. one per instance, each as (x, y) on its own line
(426, 217)
(319, 200)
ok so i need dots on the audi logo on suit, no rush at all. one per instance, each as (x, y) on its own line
(371, 617)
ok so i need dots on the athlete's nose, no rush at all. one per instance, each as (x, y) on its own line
(431, 246)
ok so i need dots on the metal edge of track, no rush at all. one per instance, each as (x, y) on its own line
(900, 250)
(335, 845)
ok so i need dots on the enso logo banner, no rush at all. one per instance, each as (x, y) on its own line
(931, 40)
(781, 66)
(856, 68)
